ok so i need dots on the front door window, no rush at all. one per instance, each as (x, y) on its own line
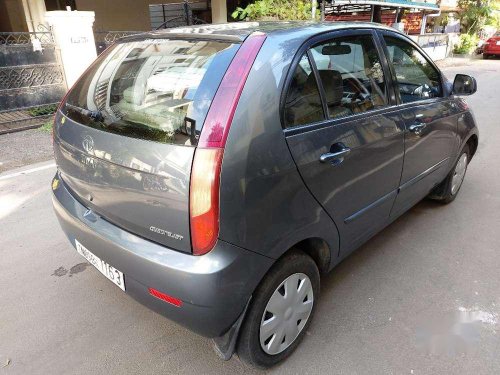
(417, 79)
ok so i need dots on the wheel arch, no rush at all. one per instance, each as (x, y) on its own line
(318, 249)
(472, 142)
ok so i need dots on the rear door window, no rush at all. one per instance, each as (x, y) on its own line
(156, 89)
(351, 75)
(303, 101)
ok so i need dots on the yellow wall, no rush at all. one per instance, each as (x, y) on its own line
(124, 15)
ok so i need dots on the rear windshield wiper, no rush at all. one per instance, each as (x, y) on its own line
(94, 115)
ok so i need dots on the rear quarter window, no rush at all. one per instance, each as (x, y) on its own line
(157, 89)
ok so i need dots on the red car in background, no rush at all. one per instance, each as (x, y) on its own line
(492, 46)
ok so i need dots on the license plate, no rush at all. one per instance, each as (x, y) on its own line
(109, 271)
(498, 42)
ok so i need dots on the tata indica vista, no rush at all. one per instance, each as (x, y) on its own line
(213, 173)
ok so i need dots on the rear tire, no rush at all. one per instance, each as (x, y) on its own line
(295, 275)
(447, 191)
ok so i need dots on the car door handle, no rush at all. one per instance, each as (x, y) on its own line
(336, 157)
(417, 127)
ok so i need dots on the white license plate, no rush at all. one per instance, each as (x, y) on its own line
(109, 271)
(498, 42)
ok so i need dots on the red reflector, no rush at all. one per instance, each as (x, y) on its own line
(220, 115)
(164, 297)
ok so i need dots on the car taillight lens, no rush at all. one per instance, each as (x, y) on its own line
(205, 174)
(204, 199)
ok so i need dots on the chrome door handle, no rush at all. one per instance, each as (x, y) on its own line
(335, 157)
(417, 127)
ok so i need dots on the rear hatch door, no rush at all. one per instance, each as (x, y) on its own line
(125, 135)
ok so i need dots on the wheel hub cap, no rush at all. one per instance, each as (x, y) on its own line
(459, 174)
(286, 313)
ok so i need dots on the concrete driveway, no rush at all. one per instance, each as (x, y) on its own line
(422, 297)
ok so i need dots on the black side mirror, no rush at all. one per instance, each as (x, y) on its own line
(464, 85)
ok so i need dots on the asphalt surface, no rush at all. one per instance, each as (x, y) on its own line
(24, 147)
(422, 297)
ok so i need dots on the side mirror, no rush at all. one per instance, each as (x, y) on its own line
(464, 85)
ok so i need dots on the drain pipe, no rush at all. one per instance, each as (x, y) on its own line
(27, 9)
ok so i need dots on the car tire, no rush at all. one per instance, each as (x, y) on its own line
(279, 279)
(485, 56)
(447, 191)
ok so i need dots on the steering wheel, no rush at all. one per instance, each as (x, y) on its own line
(422, 91)
(357, 87)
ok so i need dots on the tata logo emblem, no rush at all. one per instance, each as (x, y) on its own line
(88, 143)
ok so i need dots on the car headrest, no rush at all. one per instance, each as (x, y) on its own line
(332, 84)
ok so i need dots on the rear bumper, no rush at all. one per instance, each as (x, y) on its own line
(491, 50)
(214, 288)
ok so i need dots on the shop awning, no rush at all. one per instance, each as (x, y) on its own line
(389, 3)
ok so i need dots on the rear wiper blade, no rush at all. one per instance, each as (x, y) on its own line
(94, 115)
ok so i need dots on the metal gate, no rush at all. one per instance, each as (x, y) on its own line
(164, 16)
(31, 79)
(103, 39)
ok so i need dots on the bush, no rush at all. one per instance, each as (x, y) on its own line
(466, 45)
(43, 110)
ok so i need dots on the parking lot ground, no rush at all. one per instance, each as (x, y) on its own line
(422, 297)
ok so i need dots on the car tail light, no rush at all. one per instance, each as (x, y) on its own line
(204, 199)
(205, 174)
(165, 297)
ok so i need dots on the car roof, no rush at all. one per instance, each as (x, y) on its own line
(238, 31)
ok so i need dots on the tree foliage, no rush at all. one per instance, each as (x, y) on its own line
(278, 9)
(475, 14)
(494, 20)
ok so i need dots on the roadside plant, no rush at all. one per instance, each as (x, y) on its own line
(466, 45)
(444, 21)
(46, 127)
(43, 110)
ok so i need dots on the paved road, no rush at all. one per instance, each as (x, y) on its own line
(422, 297)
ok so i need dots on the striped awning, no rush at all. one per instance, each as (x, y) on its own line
(390, 3)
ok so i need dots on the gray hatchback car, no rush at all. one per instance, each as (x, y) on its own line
(213, 173)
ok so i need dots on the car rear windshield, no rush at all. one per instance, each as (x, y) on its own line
(156, 89)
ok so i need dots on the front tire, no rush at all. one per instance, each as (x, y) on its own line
(447, 191)
(281, 310)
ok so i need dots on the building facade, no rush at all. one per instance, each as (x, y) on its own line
(27, 15)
